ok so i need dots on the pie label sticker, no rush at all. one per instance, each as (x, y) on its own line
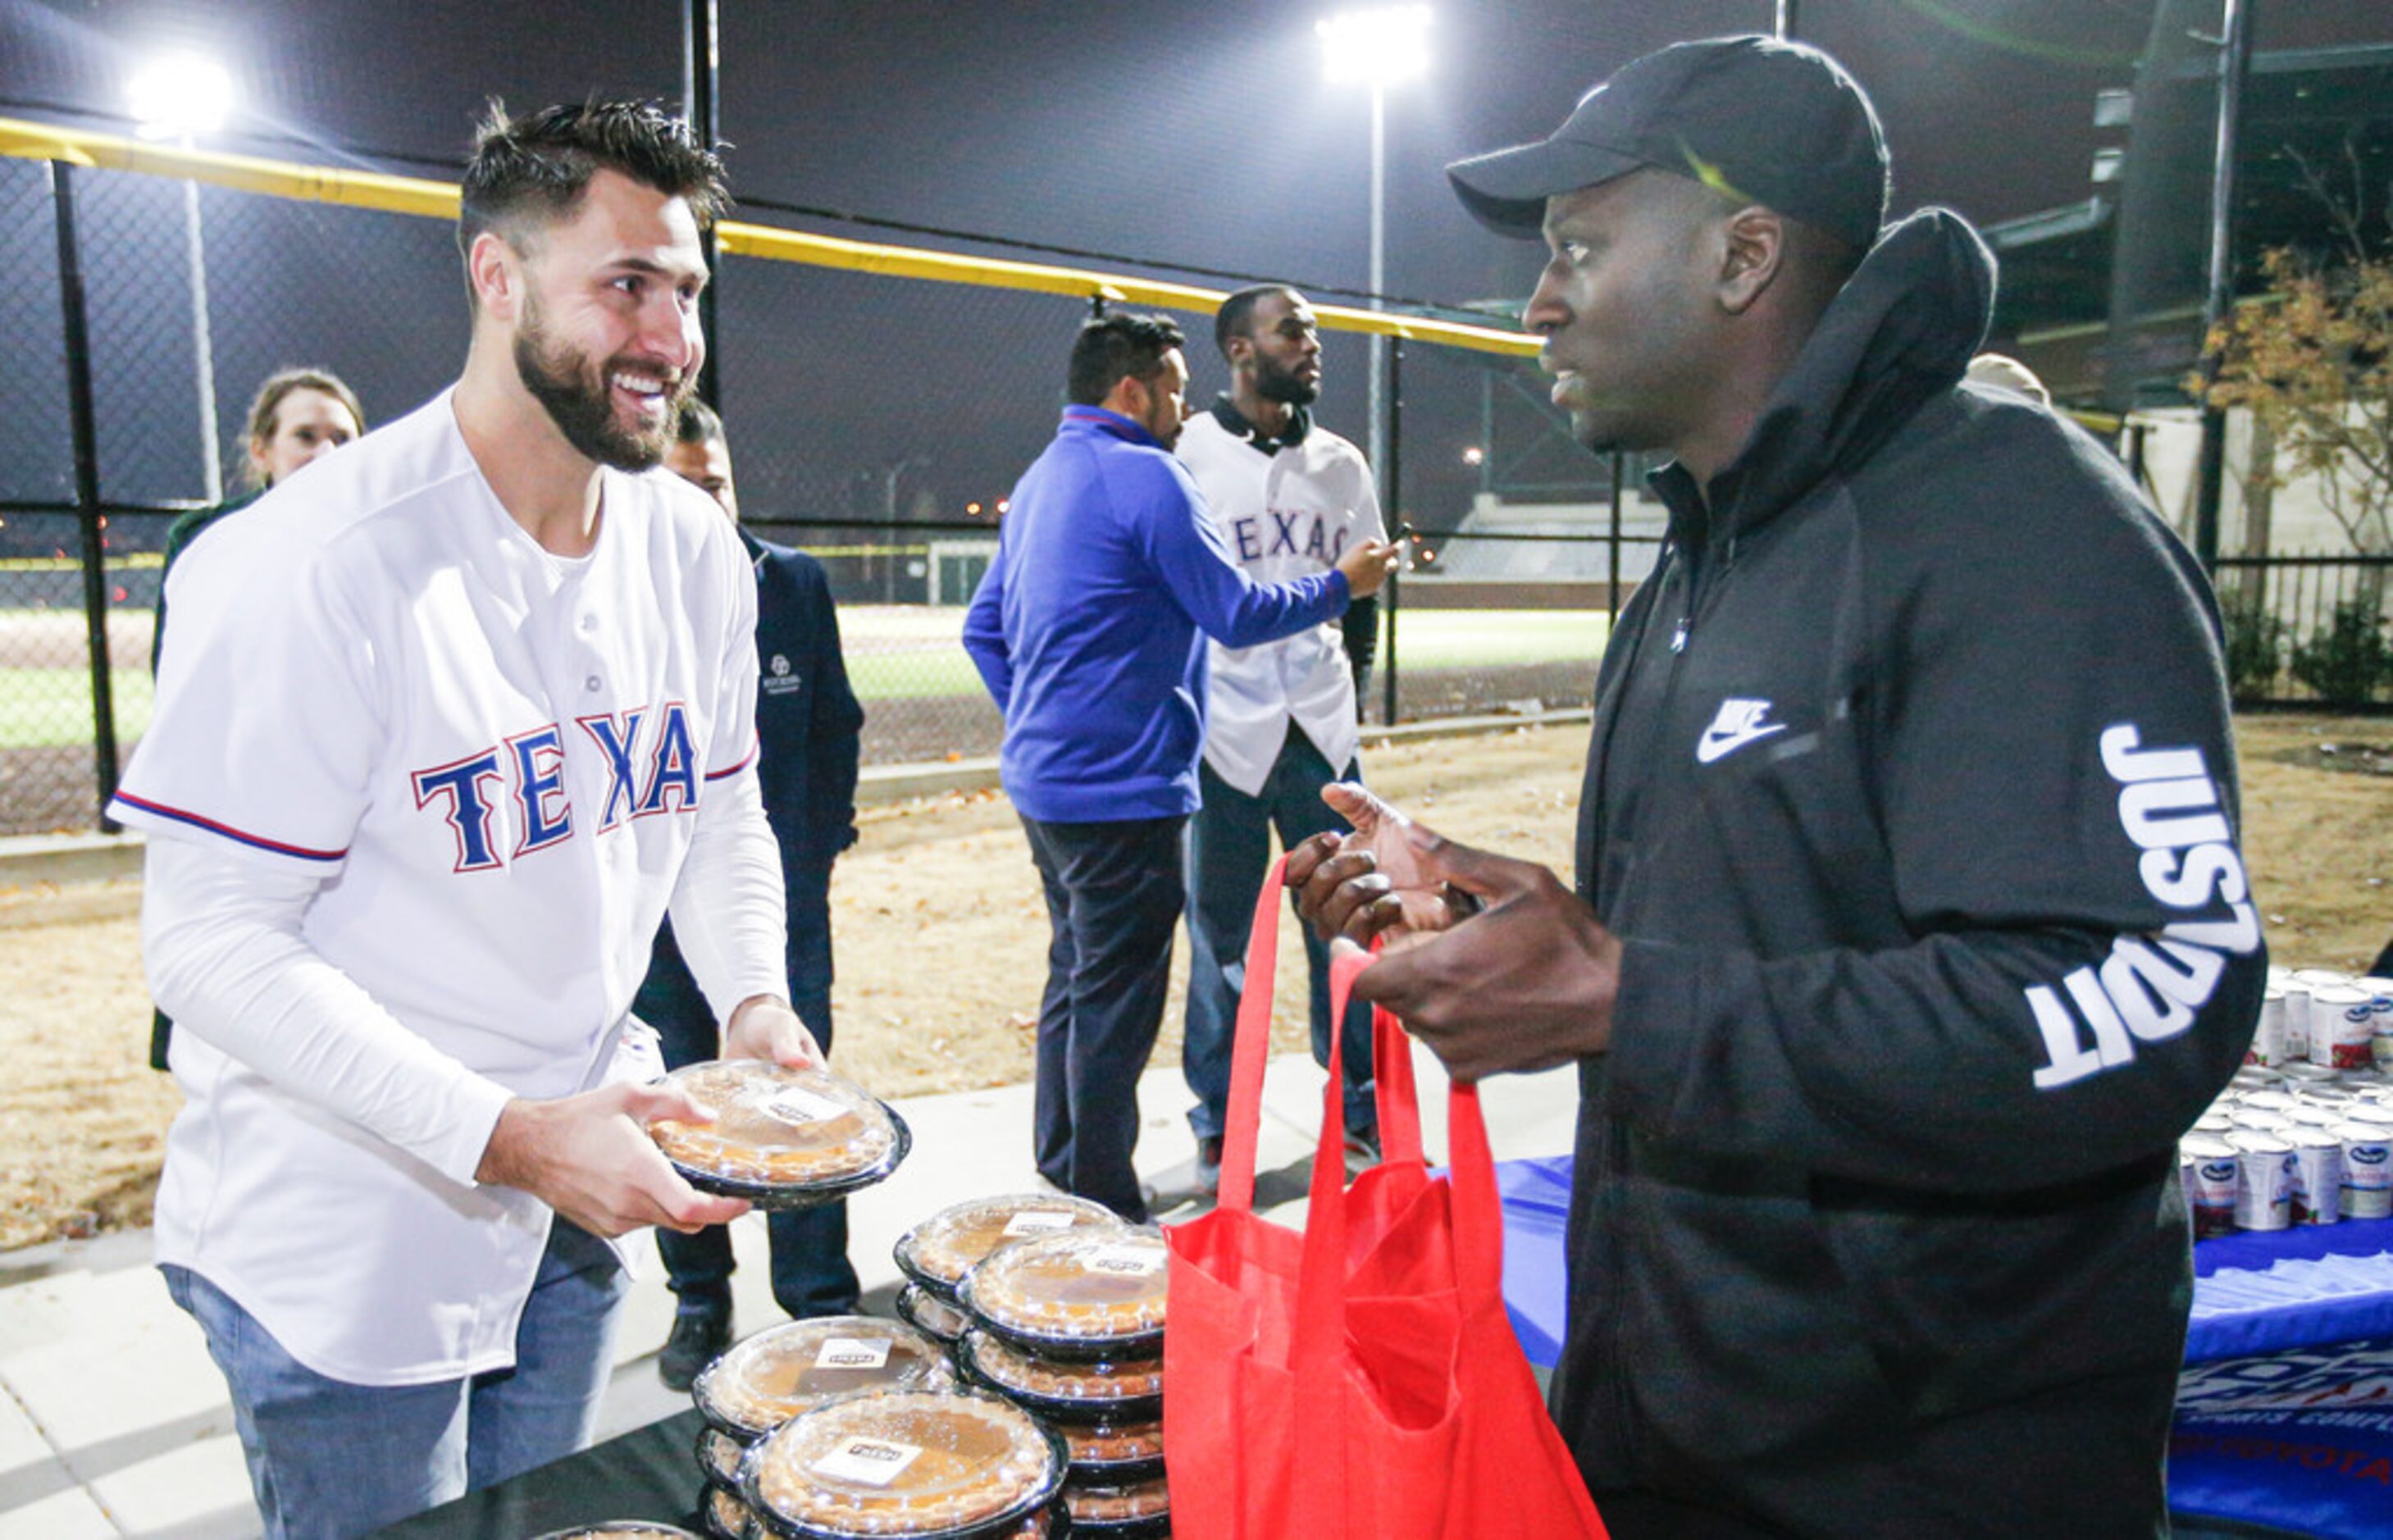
(1124, 1262)
(868, 1462)
(853, 1352)
(798, 1106)
(1040, 1221)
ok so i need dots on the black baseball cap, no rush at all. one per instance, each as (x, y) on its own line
(1778, 123)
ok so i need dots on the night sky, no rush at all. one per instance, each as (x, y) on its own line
(1199, 134)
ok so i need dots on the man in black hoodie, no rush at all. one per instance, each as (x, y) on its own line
(1910, 930)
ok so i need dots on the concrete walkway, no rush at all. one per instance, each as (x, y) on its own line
(114, 1421)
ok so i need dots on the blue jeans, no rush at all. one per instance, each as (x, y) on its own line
(1229, 849)
(808, 1246)
(1113, 900)
(329, 1460)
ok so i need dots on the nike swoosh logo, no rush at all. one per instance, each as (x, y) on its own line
(1717, 744)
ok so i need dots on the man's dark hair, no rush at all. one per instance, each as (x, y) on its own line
(698, 424)
(1237, 312)
(534, 170)
(1117, 348)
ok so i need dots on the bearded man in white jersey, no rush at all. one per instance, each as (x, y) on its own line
(441, 729)
(1289, 497)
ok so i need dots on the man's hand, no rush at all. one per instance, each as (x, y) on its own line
(763, 1027)
(1372, 881)
(590, 1158)
(1526, 984)
(1367, 566)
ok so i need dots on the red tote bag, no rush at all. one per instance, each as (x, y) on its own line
(1358, 1380)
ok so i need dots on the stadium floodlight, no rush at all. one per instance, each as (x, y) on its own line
(1380, 46)
(180, 97)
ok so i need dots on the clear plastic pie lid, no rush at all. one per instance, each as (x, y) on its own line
(779, 1135)
(1113, 1454)
(766, 1379)
(1082, 1294)
(933, 1315)
(622, 1529)
(1125, 1390)
(726, 1512)
(939, 1251)
(921, 1463)
(1096, 1509)
(719, 1454)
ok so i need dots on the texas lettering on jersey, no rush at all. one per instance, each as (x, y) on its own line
(650, 769)
(2151, 987)
(1288, 533)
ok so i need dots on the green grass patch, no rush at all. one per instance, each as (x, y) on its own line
(51, 708)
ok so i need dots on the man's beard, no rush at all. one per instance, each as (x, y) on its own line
(580, 403)
(1276, 383)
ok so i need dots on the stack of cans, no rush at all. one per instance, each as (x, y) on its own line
(2304, 1133)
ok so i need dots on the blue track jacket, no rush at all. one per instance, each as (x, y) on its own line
(1086, 628)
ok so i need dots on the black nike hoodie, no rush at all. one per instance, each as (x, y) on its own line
(1912, 793)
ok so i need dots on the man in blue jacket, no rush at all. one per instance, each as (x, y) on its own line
(807, 721)
(1090, 632)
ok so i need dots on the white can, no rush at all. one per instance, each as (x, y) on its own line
(2317, 1177)
(2260, 1120)
(2316, 976)
(2214, 1121)
(2216, 1179)
(2270, 1100)
(2265, 1200)
(2342, 1027)
(2367, 1171)
(2374, 1113)
(2298, 1076)
(2319, 1115)
(2254, 1077)
(2298, 1022)
(2339, 1094)
(2268, 1045)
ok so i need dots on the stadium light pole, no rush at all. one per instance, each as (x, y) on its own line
(1382, 47)
(181, 97)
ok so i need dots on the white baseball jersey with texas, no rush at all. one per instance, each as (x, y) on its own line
(1289, 513)
(478, 771)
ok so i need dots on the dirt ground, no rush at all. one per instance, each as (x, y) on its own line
(942, 940)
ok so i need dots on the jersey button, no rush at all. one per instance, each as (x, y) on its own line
(590, 622)
(591, 684)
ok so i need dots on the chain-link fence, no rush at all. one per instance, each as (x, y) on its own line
(876, 421)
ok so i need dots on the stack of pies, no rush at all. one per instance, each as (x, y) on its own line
(622, 1529)
(781, 1138)
(1070, 1326)
(726, 1514)
(933, 1465)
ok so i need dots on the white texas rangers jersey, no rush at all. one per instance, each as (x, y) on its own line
(495, 761)
(1289, 513)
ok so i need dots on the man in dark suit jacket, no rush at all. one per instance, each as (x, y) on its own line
(807, 721)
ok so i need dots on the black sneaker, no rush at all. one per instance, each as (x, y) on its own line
(1208, 1167)
(699, 1338)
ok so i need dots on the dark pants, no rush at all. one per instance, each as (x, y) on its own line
(1229, 849)
(811, 1272)
(1114, 893)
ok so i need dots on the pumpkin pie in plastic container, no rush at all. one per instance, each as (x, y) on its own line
(1082, 1296)
(1106, 1453)
(767, 1378)
(939, 1319)
(1138, 1512)
(622, 1529)
(933, 1465)
(937, 1253)
(1124, 1391)
(781, 1138)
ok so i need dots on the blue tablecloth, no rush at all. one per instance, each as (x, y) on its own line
(2285, 1410)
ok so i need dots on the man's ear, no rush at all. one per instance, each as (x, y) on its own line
(1752, 255)
(496, 271)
